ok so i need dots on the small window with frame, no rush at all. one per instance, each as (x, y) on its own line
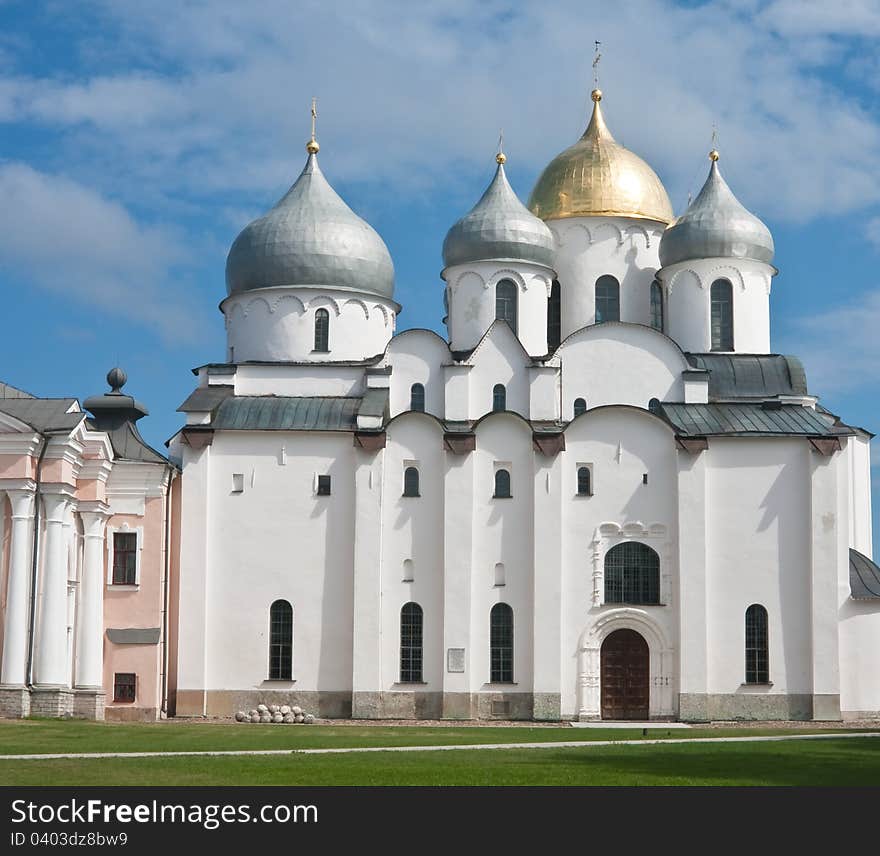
(124, 687)
(323, 486)
(125, 549)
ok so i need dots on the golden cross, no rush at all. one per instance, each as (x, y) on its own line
(314, 115)
(596, 66)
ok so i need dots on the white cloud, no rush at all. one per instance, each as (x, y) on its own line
(75, 243)
(413, 96)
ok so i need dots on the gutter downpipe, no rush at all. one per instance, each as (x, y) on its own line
(165, 586)
(35, 557)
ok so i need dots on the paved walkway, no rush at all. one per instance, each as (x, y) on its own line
(561, 744)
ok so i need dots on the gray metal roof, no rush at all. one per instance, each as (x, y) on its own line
(499, 227)
(751, 375)
(127, 443)
(9, 391)
(310, 238)
(277, 413)
(864, 577)
(375, 403)
(44, 414)
(747, 420)
(134, 635)
(205, 398)
(716, 225)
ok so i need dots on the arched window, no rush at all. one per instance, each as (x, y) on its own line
(722, 315)
(501, 644)
(411, 481)
(417, 397)
(607, 299)
(554, 317)
(632, 574)
(499, 397)
(580, 406)
(411, 643)
(322, 330)
(502, 484)
(656, 306)
(654, 405)
(505, 302)
(585, 486)
(757, 653)
(280, 641)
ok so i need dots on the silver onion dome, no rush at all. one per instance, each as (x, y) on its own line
(310, 238)
(716, 225)
(499, 227)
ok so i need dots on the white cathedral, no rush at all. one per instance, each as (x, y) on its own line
(605, 496)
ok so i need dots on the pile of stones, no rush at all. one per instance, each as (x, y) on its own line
(274, 713)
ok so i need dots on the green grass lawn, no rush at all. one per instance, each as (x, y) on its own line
(817, 762)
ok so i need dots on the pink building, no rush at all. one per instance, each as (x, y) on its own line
(87, 528)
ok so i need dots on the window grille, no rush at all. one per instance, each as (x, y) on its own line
(124, 558)
(607, 299)
(124, 686)
(585, 488)
(722, 315)
(280, 641)
(757, 652)
(632, 574)
(505, 302)
(322, 330)
(656, 306)
(411, 643)
(417, 397)
(501, 643)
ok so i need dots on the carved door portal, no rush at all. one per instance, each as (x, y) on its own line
(625, 676)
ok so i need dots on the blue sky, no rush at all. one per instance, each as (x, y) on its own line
(137, 139)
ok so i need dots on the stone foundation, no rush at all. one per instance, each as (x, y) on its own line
(752, 706)
(89, 704)
(52, 702)
(547, 707)
(326, 704)
(15, 702)
(129, 713)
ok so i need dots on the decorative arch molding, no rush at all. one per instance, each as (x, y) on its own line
(506, 273)
(660, 653)
(325, 300)
(632, 231)
(673, 280)
(387, 316)
(727, 272)
(293, 299)
(256, 301)
(363, 306)
(459, 280)
(596, 231)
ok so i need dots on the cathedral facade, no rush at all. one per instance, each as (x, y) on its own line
(603, 496)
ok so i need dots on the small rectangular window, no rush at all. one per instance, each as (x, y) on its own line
(124, 685)
(323, 485)
(238, 482)
(124, 558)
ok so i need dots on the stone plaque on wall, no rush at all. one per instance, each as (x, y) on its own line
(455, 660)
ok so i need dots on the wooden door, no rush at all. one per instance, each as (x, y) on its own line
(625, 676)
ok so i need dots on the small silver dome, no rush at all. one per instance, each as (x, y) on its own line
(499, 227)
(310, 238)
(716, 225)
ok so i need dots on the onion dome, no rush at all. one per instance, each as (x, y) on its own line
(716, 225)
(599, 177)
(499, 227)
(310, 238)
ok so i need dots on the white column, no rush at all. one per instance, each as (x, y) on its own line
(90, 615)
(17, 597)
(693, 570)
(51, 661)
(547, 594)
(458, 525)
(367, 635)
(829, 551)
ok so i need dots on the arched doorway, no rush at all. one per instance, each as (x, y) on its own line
(625, 676)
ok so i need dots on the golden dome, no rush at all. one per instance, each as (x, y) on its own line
(598, 176)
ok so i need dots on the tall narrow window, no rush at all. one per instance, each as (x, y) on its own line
(411, 481)
(656, 306)
(417, 397)
(280, 641)
(501, 644)
(411, 643)
(722, 315)
(499, 397)
(757, 655)
(585, 487)
(502, 484)
(607, 299)
(124, 558)
(554, 317)
(505, 302)
(322, 330)
(580, 406)
(632, 574)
